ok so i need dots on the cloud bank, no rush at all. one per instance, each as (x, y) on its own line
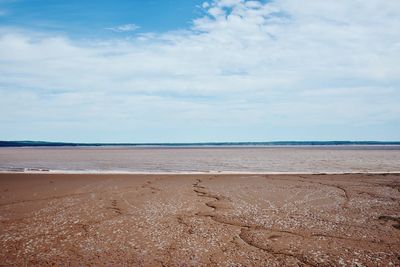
(246, 70)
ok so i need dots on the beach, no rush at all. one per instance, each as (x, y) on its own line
(226, 133)
(200, 219)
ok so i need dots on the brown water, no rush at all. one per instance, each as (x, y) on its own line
(219, 159)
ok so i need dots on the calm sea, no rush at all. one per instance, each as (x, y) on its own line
(203, 159)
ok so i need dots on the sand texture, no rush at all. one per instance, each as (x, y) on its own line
(200, 220)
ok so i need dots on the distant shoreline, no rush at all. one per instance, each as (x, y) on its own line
(200, 144)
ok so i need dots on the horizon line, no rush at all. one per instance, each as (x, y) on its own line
(33, 143)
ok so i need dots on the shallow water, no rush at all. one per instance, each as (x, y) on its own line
(205, 159)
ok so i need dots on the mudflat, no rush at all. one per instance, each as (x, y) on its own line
(200, 220)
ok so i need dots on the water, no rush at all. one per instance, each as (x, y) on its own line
(204, 159)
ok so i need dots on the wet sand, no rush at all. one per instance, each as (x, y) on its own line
(200, 220)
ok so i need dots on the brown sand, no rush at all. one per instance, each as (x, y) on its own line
(200, 220)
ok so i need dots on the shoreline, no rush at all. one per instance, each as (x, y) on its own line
(105, 172)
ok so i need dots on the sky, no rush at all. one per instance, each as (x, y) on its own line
(199, 71)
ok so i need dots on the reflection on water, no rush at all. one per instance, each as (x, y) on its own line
(243, 159)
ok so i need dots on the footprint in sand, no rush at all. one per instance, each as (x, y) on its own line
(114, 207)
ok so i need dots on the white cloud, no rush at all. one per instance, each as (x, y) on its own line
(124, 28)
(258, 65)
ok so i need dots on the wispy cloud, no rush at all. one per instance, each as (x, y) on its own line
(244, 70)
(124, 28)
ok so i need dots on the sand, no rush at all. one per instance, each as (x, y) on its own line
(200, 220)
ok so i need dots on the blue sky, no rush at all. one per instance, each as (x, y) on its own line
(193, 71)
(90, 18)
